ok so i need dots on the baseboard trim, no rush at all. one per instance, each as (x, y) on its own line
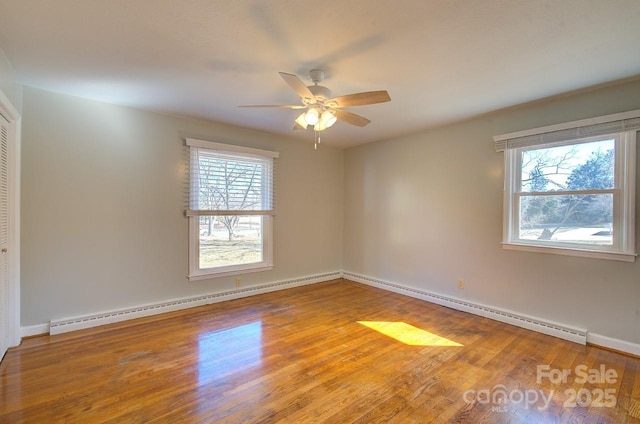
(509, 317)
(561, 331)
(34, 330)
(614, 344)
(64, 325)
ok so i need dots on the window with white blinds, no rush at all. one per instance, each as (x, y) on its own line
(570, 188)
(231, 207)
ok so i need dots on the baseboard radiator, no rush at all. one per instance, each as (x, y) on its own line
(64, 325)
(565, 332)
(530, 323)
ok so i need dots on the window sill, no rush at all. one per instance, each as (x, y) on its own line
(212, 275)
(594, 254)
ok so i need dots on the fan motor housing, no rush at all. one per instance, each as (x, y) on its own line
(320, 91)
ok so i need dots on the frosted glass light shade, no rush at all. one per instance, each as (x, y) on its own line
(312, 117)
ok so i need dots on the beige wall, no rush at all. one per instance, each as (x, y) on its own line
(103, 199)
(426, 209)
(8, 84)
(103, 225)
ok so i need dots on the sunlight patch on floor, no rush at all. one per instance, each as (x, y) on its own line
(408, 334)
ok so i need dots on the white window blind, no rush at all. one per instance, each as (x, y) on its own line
(230, 180)
(619, 122)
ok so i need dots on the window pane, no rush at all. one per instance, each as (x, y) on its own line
(231, 184)
(230, 240)
(583, 166)
(567, 218)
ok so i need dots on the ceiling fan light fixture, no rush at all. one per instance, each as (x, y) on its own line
(328, 118)
(300, 120)
(312, 116)
(320, 109)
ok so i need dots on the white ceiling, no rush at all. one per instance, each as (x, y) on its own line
(440, 60)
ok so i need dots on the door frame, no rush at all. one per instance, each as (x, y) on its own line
(12, 115)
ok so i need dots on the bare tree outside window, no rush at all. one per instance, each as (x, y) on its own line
(229, 184)
(566, 193)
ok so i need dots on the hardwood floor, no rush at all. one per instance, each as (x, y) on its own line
(301, 356)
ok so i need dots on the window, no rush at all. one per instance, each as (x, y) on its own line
(230, 209)
(570, 189)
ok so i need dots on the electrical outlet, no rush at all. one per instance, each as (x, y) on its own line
(461, 284)
(238, 281)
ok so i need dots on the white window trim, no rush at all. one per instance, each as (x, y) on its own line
(195, 272)
(625, 212)
(192, 142)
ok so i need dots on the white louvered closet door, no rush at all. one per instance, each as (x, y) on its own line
(4, 235)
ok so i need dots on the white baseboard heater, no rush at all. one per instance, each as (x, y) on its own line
(530, 323)
(64, 325)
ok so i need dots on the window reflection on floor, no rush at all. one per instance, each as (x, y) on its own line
(227, 351)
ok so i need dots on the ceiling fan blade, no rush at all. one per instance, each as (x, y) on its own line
(280, 106)
(361, 99)
(351, 118)
(297, 85)
(297, 126)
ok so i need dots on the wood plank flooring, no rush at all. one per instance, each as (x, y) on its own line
(301, 356)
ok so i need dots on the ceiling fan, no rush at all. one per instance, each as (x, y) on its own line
(321, 110)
